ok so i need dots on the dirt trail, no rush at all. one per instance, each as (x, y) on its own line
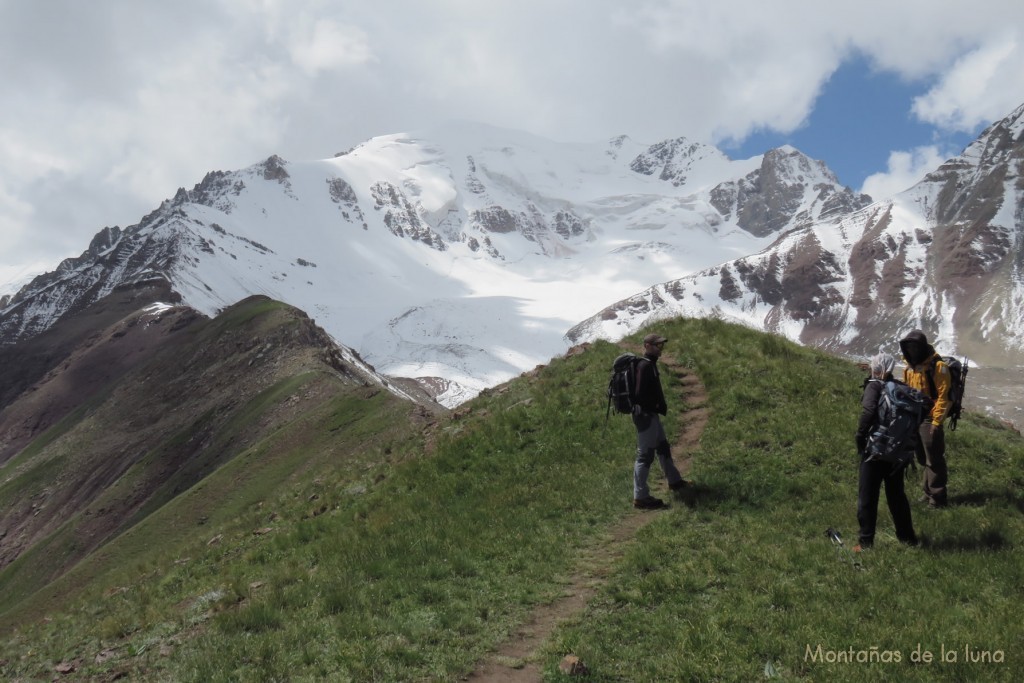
(513, 660)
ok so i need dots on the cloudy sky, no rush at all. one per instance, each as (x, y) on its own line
(110, 105)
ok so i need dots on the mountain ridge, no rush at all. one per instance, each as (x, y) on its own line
(148, 407)
(946, 256)
(475, 229)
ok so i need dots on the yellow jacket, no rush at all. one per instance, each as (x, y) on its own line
(916, 376)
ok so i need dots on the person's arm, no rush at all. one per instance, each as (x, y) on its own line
(646, 386)
(943, 382)
(868, 414)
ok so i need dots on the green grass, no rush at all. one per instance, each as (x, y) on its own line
(388, 560)
(747, 580)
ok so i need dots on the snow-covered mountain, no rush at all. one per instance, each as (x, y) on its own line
(945, 256)
(458, 256)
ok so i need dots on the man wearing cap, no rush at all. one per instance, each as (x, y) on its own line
(649, 405)
(927, 373)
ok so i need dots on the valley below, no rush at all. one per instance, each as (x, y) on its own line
(997, 392)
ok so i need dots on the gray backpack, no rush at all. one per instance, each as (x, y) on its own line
(901, 410)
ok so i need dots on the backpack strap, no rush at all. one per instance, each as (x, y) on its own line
(930, 376)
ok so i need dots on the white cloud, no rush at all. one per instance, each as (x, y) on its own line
(114, 104)
(330, 45)
(982, 86)
(905, 169)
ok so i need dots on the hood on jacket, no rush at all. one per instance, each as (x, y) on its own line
(915, 348)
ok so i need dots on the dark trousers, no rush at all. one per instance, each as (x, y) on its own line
(872, 475)
(931, 453)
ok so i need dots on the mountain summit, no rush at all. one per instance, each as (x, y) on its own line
(463, 255)
(457, 256)
(945, 256)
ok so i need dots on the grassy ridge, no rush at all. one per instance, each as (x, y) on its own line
(747, 583)
(408, 562)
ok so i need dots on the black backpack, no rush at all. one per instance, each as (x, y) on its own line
(622, 385)
(958, 378)
(901, 409)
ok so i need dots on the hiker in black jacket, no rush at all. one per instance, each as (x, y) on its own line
(649, 404)
(874, 472)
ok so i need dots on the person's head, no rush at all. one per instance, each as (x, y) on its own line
(915, 347)
(653, 344)
(882, 365)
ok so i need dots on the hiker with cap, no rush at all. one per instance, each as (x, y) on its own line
(649, 405)
(927, 372)
(874, 472)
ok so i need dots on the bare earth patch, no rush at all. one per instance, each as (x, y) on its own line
(514, 660)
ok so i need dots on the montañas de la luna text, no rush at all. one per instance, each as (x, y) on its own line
(967, 654)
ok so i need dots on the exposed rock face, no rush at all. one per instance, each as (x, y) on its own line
(342, 194)
(946, 256)
(215, 190)
(274, 169)
(568, 224)
(401, 217)
(807, 279)
(495, 219)
(673, 160)
(773, 196)
(79, 282)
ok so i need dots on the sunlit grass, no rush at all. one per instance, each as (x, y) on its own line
(397, 562)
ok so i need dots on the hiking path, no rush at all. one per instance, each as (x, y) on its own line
(514, 660)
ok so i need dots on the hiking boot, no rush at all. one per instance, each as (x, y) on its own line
(680, 485)
(649, 503)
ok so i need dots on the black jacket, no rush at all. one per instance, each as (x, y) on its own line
(649, 394)
(869, 411)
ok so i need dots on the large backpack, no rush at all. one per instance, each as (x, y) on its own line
(958, 378)
(622, 384)
(901, 409)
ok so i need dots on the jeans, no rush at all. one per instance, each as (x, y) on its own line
(651, 441)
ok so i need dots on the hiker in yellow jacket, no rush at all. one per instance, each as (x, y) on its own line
(927, 373)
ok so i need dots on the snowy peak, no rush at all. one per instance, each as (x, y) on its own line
(945, 256)
(460, 256)
(998, 143)
(675, 161)
(788, 190)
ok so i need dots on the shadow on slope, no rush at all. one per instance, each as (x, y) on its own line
(164, 401)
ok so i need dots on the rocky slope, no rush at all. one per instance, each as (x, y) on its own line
(132, 411)
(946, 256)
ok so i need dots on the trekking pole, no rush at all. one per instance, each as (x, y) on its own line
(607, 414)
(841, 550)
(958, 399)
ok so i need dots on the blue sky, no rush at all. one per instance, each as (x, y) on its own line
(110, 106)
(861, 116)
